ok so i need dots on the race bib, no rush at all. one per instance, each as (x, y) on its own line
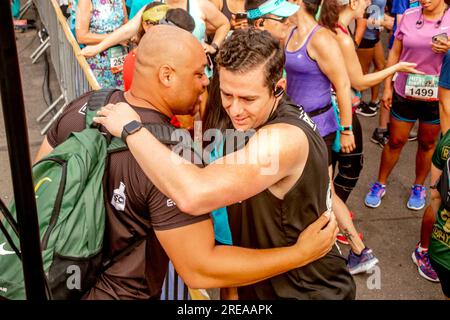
(117, 59)
(422, 87)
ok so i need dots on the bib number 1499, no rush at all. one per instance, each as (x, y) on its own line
(422, 87)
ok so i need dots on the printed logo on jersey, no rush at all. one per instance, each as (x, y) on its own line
(445, 153)
(170, 203)
(305, 117)
(83, 109)
(119, 199)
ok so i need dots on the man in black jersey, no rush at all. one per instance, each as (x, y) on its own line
(275, 186)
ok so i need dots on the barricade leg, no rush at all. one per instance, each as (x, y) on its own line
(50, 108)
(55, 117)
(40, 50)
(25, 8)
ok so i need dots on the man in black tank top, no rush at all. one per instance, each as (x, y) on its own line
(276, 186)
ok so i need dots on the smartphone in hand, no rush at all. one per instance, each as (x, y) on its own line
(442, 37)
(241, 16)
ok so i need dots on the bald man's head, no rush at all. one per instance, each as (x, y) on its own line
(170, 65)
(164, 44)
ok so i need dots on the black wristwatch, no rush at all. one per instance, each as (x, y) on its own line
(215, 46)
(130, 128)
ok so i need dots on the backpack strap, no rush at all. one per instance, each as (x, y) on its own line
(164, 132)
(134, 243)
(96, 100)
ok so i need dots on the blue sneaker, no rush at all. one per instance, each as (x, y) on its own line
(373, 198)
(362, 263)
(416, 200)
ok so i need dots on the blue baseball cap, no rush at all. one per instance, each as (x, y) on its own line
(281, 8)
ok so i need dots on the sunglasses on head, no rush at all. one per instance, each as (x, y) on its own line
(276, 18)
(151, 23)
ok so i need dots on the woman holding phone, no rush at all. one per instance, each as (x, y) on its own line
(420, 39)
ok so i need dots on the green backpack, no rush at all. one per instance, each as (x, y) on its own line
(69, 189)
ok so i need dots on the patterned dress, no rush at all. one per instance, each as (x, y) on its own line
(107, 16)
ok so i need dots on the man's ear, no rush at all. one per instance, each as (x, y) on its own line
(166, 75)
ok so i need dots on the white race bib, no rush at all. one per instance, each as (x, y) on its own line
(422, 87)
(117, 59)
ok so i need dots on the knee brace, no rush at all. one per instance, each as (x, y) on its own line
(349, 168)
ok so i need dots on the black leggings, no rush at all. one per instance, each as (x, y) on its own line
(349, 164)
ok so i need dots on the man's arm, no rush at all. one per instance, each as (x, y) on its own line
(435, 197)
(202, 264)
(278, 150)
(44, 150)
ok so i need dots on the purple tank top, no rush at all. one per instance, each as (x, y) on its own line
(308, 86)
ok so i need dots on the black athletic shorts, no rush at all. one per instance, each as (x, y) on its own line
(443, 275)
(329, 140)
(409, 110)
(368, 44)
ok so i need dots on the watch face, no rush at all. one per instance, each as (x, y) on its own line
(132, 126)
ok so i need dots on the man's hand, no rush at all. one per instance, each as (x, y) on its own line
(115, 116)
(317, 239)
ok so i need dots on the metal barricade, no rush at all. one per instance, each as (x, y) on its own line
(76, 78)
(72, 70)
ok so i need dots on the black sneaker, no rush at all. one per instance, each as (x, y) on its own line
(364, 110)
(375, 106)
(380, 137)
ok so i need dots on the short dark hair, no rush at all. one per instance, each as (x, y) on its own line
(246, 49)
(181, 18)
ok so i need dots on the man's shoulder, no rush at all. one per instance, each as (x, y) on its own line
(73, 118)
(78, 107)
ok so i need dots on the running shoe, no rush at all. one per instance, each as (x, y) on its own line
(365, 110)
(416, 199)
(380, 137)
(412, 136)
(422, 261)
(375, 106)
(376, 192)
(361, 263)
